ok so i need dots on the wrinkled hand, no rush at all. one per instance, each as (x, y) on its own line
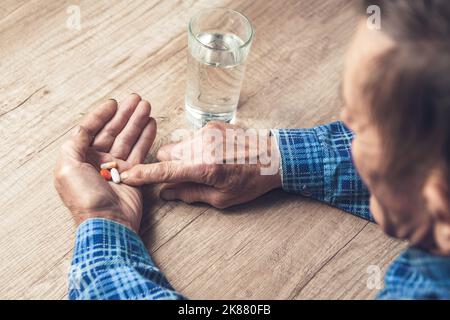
(205, 169)
(123, 134)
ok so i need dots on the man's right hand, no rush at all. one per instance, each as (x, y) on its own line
(221, 179)
(123, 134)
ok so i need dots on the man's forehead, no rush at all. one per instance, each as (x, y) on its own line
(368, 44)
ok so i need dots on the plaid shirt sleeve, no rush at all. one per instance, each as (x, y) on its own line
(111, 262)
(317, 163)
(417, 274)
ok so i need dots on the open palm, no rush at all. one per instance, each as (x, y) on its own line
(121, 133)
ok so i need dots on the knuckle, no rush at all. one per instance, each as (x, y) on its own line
(187, 197)
(62, 173)
(219, 202)
(125, 140)
(153, 121)
(214, 125)
(146, 104)
(136, 172)
(210, 172)
(236, 177)
(167, 171)
(66, 147)
(140, 171)
(136, 95)
(203, 170)
(215, 169)
(109, 131)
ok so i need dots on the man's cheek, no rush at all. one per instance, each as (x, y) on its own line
(376, 211)
(367, 167)
(382, 217)
(358, 160)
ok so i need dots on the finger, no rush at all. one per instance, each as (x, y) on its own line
(77, 146)
(167, 152)
(185, 150)
(95, 120)
(105, 138)
(126, 139)
(170, 171)
(144, 143)
(193, 192)
(96, 158)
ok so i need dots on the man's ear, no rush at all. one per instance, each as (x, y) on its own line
(437, 196)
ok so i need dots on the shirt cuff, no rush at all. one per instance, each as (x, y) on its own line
(111, 262)
(104, 238)
(301, 164)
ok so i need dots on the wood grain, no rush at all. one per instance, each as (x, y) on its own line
(280, 246)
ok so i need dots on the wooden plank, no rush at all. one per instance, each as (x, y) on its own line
(8, 8)
(264, 250)
(350, 274)
(33, 129)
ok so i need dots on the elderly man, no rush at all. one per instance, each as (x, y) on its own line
(396, 124)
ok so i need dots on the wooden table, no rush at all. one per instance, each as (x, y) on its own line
(280, 246)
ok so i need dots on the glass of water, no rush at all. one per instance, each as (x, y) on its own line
(219, 42)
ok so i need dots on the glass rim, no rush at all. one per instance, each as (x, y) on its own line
(245, 44)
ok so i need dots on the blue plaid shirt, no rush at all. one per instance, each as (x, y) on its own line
(111, 262)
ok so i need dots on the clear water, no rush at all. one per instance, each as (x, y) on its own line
(214, 77)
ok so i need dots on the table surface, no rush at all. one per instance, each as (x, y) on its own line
(281, 246)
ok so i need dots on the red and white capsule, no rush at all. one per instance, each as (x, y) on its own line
(108, 165)
(106, 174)
(115, 175)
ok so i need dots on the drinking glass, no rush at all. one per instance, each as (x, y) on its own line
(219, 42)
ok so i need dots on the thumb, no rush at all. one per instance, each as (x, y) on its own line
(77, 146)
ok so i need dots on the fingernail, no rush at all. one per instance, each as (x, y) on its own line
(168, 194)
(124, 175)
(76, 131)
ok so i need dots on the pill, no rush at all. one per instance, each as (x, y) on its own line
(105, 174)
(108, 165)
(115, 175)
